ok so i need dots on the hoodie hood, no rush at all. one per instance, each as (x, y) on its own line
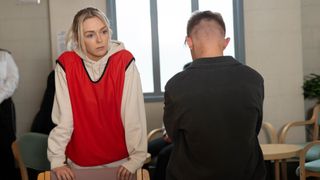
(95, 68)
(114, 47)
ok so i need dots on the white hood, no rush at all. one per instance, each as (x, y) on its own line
(95, 68)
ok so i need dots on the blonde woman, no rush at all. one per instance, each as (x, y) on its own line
(98, 105)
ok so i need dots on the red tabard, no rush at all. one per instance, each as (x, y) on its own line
(98, 136)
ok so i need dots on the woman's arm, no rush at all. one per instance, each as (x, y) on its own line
(134, 119)
(62, 117)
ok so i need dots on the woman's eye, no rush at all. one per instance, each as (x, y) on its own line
(105, 31)
(89, 35)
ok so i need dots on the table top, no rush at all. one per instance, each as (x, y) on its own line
(280, 151)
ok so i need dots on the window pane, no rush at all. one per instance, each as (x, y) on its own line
(224, 7)
(172, 23)
(134, 29)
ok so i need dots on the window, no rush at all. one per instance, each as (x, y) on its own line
(154, 31)
(133, 28)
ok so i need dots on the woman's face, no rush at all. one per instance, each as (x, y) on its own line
(95, 38)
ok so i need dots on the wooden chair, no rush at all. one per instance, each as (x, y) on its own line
(313, 152)
(95, 174)
(18, 158)
(311, 168)
(151, 135)
(154, 132)
(270, 132)
(30, 151)
(272, 138)
(313, 121)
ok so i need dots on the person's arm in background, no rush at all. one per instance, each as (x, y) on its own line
(168, 120)
(10, 83)
(134, 119)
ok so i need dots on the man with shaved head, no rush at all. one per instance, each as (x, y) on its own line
(213, 110)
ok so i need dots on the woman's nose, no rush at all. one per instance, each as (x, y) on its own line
(99, 39)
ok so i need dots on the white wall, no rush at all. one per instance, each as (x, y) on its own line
(61, 16)
(274, 48)
(311, 36)
(311, 40)
(24, 30)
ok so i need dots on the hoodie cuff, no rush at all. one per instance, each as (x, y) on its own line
(57, 163)
(131, 166)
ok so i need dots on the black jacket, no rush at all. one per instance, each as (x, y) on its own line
(213, 113)
(42, 122)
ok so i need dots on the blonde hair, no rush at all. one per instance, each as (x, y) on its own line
(74, 38)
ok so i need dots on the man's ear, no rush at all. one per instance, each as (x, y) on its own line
(226, 42)
(189, 42)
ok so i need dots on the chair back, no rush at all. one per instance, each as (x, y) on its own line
(154, 132)
(311, 168)
(270, 131)
(316, 119)
(33, 150)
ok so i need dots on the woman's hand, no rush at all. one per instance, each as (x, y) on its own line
(124, 174)
(64, 173)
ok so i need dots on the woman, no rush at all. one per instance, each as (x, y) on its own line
(98, 106)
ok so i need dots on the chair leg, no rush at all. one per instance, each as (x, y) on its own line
(145, 174)
(284, 169)
(276, 170)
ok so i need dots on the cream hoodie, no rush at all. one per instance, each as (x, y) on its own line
(132, 113)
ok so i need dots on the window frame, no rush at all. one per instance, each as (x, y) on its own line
(157, 95)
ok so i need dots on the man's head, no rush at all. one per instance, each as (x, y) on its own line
(206, 34)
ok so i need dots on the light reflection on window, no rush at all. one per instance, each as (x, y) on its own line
(134, 29)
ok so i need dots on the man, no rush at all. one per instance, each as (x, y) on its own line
(213, 110)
